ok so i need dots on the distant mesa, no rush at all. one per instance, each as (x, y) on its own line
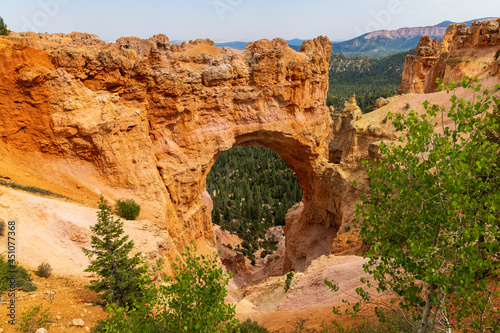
(382, 43)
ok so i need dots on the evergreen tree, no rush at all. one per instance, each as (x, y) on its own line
(121, 279)
(216, 215)
(3, 28)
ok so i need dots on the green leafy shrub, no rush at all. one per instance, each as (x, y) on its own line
(44, 270)
(34, 318)
(192, 301)
(497, 54)
(21, 277)
(288, 280)
(127, 209)
(139, 319)
(195, 297)
(249, 326)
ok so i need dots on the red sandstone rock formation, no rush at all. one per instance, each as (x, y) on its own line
(152, 117)
(462, 52)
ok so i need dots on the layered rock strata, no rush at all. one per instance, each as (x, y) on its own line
(463, 51)
(152, 117)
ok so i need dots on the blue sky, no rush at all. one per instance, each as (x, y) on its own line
(246, 20)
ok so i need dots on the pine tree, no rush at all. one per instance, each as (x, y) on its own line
(121, 279)
(216, 216)
(3, 28)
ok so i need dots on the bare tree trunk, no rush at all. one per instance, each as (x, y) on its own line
(424, 324)
(436, 312)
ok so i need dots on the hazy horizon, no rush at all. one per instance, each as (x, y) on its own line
(235, 20)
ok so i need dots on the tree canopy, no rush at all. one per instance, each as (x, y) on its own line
(3, 28)
(369, 78)
(431, 218)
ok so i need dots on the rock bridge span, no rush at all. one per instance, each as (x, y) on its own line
(152, 117)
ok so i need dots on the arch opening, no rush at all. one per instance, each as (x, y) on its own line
(306, 219)
(252, 188)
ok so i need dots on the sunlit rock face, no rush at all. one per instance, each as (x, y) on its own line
(152, 117)
(462, 52)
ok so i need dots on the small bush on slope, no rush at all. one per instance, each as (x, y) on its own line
(127, 209)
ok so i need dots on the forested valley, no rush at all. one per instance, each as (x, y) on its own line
(252, 188)
(369, 78)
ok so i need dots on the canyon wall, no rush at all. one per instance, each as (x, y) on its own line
(152, 117)
(463, 51)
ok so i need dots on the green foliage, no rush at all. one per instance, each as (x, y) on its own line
(3, 28)
(2, 227)
(121, 280)
(497, 54)
(249, 326)
(31, 189)
(270, 244)
(34, 318)
(44, 270)
(127, 209)
(431, 217)
(369, 78)
(195, 297)
(192, 301)
(252, 189)
(130, 320)
(288, 280)
(22, 278)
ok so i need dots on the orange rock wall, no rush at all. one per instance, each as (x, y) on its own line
(152, 116)
(462, 52)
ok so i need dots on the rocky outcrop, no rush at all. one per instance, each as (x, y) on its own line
(351, 108)
(152, 117)
(382, 101)
(462, 52)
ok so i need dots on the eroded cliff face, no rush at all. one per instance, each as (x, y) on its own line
(152, 117)
(462, 52)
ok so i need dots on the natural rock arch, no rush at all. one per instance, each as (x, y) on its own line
(152, 117)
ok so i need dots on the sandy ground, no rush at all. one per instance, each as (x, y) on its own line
(66, 300)
(309, 298)
(55, 231)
